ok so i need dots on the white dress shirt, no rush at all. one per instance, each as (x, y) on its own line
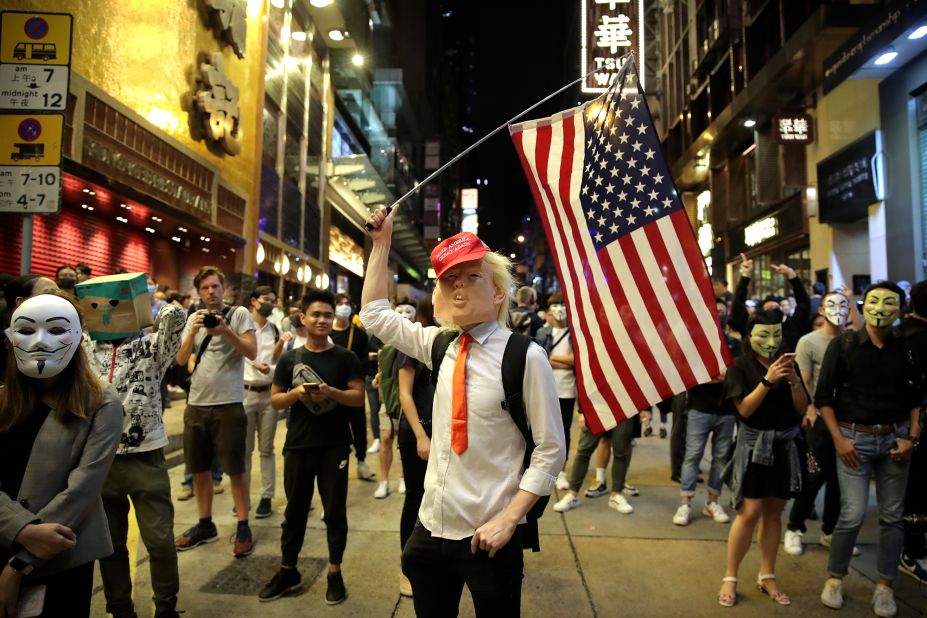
(463, 492)
(266, 341)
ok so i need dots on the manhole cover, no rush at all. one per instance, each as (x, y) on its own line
(248, 576)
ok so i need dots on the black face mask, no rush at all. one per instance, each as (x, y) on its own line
(265, 309)
(295, 321)
(66, 283)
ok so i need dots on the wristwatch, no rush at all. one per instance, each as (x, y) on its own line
(766, 382)
(20, 566)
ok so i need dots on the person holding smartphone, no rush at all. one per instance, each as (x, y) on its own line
(770, 398)
(870, 392)
(322, 384)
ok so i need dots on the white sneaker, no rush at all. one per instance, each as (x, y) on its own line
(883, 602)
(364, 472)
(620, 504)
(832, 595)
(716, 512)
(683, 514)
(792, 543)
(402, 486)
(382, 490)
(374, 448)
(827, 538)
(562, 483)
(567, 503)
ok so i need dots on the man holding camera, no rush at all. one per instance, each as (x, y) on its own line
(322, 384)
(214, 421)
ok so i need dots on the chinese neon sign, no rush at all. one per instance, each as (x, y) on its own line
(610, 30)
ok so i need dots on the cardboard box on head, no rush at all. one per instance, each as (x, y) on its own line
(115, 306)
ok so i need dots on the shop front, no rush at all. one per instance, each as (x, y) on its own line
(778, 236)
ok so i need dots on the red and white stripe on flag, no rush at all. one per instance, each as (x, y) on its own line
(638, 294)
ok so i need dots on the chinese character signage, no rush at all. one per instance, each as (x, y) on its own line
(216, 102)
(793, 129)
(610, 30)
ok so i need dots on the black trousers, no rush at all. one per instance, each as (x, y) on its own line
(358, 419)
(302, 469)
(66, 593)
(820, 447)
(566, 411)
(915, 545)
(413, 471)
(439, 568)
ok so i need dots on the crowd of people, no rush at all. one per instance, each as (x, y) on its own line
(824, 393)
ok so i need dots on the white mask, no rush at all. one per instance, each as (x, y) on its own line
(343, 312)
(836, 309)
(406, 311)
(558, 312)
(45, 332)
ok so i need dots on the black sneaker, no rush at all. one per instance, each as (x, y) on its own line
(263, 509)
(594, 491)
(336, 592)
(286, 581)
(196, 536)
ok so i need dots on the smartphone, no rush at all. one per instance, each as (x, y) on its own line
(311, 386)
(789, 356)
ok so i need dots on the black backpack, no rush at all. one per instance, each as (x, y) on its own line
(513, 376)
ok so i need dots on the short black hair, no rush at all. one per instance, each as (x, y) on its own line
(919, 298)
(261, 290)
(64, 267)
(891, 286)
(315, 295)
(83, 269)
(770, 317)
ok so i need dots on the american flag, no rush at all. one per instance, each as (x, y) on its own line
(639, 298)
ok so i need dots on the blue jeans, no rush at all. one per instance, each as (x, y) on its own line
(721, 428)
(891, 479)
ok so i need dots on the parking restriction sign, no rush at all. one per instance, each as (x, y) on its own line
(35, 38)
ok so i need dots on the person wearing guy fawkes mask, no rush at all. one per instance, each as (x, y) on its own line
(794, 325)
(766, 390)
(346, 334)
(869, 393)
(262, 418)
(556, 341)
(821, 466)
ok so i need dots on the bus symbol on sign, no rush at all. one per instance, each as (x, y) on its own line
(35, 51)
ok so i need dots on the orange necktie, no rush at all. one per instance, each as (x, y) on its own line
(459, 398)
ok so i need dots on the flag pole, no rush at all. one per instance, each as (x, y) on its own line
(441, 169)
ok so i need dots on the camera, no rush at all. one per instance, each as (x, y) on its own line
(212, 319)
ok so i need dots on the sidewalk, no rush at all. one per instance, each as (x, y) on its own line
(594, 561)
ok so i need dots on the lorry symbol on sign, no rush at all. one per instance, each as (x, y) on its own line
(28, 151)
(35, 51)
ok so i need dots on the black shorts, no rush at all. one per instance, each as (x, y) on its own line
(215, 430)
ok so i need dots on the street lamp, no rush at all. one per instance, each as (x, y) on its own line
(521, 238)
(357, 60)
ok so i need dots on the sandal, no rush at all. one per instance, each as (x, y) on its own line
(727, 600)
(779, 597)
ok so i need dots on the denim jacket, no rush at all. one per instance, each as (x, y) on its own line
(756, 446)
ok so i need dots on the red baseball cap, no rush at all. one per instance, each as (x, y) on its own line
(463, 247)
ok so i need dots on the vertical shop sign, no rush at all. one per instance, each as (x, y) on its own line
(610, 29)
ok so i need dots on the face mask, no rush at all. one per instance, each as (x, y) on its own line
(765, 339)
(343, 312)
(68, 283)
(152, 289)
(295, 321)
(265, 309)
(406, 311)
(881, 307)
(836, 309)
(558, 312)
(45, 332)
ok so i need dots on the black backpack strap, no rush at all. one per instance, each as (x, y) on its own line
(438, 350)
(226, 312)
(513, 377)
(276, 330)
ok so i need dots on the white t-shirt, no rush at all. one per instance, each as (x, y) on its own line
(565, 379)
(219, 377)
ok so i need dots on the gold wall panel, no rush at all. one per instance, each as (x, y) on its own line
(145, 54)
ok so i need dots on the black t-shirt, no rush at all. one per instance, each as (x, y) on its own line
(423, 395)
(776, 411)
(325, 424)
(707, 397)
(358, 341)
(15, 449)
